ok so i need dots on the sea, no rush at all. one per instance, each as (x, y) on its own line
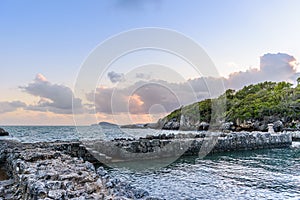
(257, 174)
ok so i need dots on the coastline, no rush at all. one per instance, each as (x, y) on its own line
(44, 170)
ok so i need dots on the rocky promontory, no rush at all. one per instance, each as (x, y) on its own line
(252, 108)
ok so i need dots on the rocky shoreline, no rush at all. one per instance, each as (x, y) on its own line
(66, 170)
(186, 124)
(40, 171)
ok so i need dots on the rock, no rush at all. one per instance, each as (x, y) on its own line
(227, 126)
(56, 194)
(278, 126)
(139, 193)
(38, 190)
(90, 188)
(260, 126)
(203, 126)
(101, 172)
(90, 166)
(173, 124)
(3, 132)
(246, 126)
(53, 185)
(109, 184)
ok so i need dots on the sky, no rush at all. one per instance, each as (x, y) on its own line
(44, 44)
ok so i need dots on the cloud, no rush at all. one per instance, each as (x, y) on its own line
(53, 97)
(6, 106)
(115, 77)
(140, 97)
(144, 95)
(273, 67)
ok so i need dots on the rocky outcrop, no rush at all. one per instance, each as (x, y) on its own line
(173, 124)
(42, 172)
(3, 132)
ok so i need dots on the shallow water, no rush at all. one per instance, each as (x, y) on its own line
(261, 174)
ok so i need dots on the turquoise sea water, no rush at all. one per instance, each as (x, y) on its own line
(260, 174)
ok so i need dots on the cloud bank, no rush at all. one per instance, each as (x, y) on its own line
(143, 95)
(6, 106)
(148, 94)
(273, 67)
(53, 97)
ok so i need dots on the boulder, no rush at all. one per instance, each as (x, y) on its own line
(246, 126)
(260, 126)
(203, 126)
(227, 126)
(3, 132)
(278, 126)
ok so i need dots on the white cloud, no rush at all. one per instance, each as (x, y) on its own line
(273, 67)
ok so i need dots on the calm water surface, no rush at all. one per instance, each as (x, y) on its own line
(261, 174)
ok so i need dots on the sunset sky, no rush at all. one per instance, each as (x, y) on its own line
(45, 43)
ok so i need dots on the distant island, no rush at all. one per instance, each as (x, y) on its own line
(249, 109)
(105, 124)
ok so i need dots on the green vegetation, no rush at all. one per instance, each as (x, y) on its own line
(253, 102)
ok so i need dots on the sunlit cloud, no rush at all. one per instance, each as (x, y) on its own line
(53, 97)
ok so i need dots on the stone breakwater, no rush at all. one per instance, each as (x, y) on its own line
(165, 146)
(46, 171)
